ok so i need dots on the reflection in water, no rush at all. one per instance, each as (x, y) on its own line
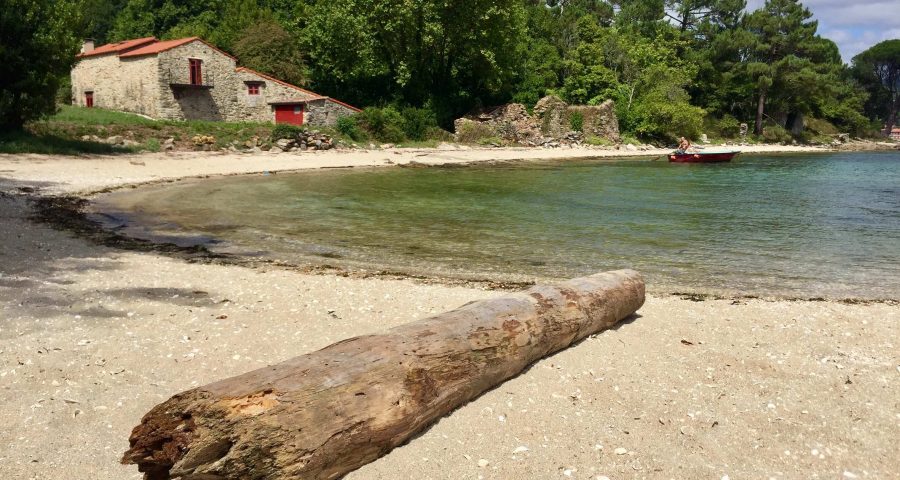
(811, 225)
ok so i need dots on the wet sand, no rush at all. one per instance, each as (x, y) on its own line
(91, 337)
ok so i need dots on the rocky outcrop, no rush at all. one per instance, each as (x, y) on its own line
(553, 123)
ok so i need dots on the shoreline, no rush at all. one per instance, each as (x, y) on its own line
(69, 206)
(95, 335)
(71, 211)
(87, 175)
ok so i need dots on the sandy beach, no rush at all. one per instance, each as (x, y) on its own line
(93, 337)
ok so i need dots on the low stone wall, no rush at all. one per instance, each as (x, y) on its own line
(551, 123)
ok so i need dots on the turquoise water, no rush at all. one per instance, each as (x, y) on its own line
(800, 225)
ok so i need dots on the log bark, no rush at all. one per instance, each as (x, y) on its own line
(324, 414)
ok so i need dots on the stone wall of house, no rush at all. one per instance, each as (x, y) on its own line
(126, 84)
(325, 112)
(217, 102)
(145, 85)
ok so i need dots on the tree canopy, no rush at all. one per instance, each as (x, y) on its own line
(672, 66)
(878, 68)
(38, 43)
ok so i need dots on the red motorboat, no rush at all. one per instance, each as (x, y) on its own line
(702, 157)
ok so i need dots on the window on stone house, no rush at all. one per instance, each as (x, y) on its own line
(252, 89)
(196, 71)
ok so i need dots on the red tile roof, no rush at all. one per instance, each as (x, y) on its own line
(118, 47)
(158, 47)
(315, 95)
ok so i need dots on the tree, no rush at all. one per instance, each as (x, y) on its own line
(448, 54)
(266, 46)
(38, 43)
(879, 69)
(790, 65)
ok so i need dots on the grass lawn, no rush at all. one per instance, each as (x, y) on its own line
(62, 133)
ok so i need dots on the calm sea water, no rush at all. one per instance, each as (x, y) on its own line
(800, 225)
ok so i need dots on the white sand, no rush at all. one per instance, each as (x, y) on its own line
(91, 338)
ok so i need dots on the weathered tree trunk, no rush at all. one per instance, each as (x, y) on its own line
(760, 111)
(324, 414)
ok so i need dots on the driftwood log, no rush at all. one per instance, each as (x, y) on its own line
(324, 414)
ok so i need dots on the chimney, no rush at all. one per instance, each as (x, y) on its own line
(87, 46)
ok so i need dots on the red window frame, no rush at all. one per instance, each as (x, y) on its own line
(89, 99)
(252, 89)
(196, 71)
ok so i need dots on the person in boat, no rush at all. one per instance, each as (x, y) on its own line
(684, 145)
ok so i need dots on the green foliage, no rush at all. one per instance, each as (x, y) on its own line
(448, 53)
(152, 145)
(729, 127)
(285, 130)
(474, 132)
(775, 134)
(266, 46)
(38, 43)
(348, 127)
(597, 141)
(99, 116)
(820, 126)
(418, 122)
(576, 121)
(18, 142)
(383, 124)
(878, 69)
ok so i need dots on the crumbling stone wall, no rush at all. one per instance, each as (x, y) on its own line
(599, 120)
(550, 124)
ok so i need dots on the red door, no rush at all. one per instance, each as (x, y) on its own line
(89, 99)
(292, 114)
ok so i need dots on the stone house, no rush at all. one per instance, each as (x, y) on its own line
(189, 79)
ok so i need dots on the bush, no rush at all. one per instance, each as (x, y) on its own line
(384, 124)
(349, 127)
(576, 121)
(474, 132)
(729, 127)
(597, 141)
(417, 122)
(776, 134)
(284, 130)
(822, 127)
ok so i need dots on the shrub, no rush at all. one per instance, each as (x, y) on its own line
(474, 132)
(417, 122)
(284, 130)
(729, 127)
(384, 124)
(817, 125)
(576, 121)
(349, 127)
(597, 141)
(775, 134)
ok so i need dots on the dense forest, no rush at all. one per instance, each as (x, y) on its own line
(672, 67)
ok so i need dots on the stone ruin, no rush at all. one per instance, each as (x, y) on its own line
(550, 125)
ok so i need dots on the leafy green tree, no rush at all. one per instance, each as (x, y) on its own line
(266, 46)
(786, 56)
(449, 53)
(879, 70)
(38, 43)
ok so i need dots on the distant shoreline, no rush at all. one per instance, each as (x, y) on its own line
(89, 175)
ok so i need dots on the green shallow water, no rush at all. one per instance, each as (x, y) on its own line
(801, 225)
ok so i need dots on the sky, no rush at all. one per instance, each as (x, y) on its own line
(853, 25)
